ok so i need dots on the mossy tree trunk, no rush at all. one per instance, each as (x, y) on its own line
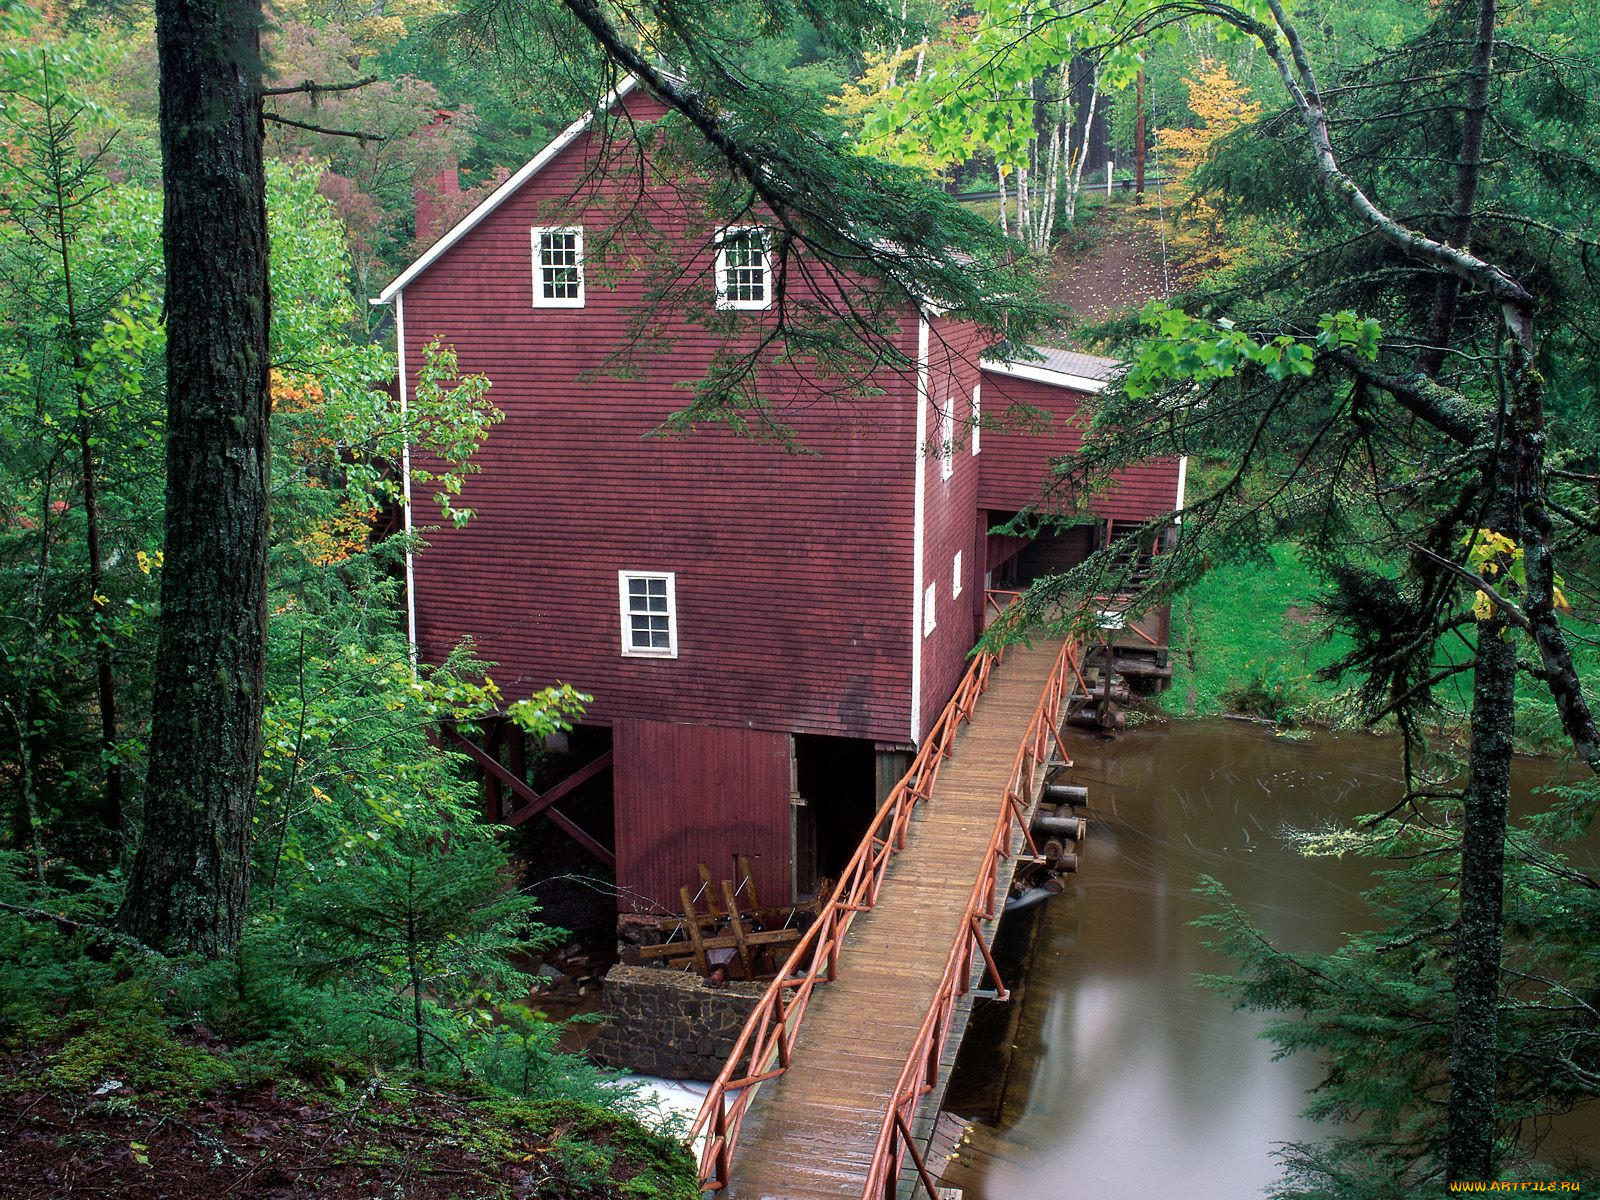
(189, 878)
(1475, 1037)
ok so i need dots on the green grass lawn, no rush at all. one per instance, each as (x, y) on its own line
(1248, 639)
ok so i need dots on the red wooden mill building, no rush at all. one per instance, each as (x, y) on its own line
(766, 636)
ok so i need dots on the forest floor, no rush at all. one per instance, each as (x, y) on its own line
(387, 1137)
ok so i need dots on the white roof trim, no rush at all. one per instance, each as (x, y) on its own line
(504, 192)
(1041, 374)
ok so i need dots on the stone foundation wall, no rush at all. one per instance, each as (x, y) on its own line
(670, 1023)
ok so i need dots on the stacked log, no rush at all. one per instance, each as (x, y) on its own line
(1056, 830)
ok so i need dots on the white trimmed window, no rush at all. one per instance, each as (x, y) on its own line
(558, 266)
(955, 576)
(977, 414)
(649, 604)
(947, 440)
(744, 269)
(928, 622)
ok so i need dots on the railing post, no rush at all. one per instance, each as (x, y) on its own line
(724, 1155)
(988, 959)
(911, 1145)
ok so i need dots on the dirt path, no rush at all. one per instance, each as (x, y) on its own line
(1111, 263)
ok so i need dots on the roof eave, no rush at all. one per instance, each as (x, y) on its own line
(503, 193)
(1040, 374)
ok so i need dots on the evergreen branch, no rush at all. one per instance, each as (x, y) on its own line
(1424, 685)
(93, 931)
(1299, 81)
(1446, 409)
(357, 134)
(1588, 524)
(315, 89)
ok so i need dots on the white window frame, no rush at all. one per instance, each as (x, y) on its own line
(947, 439)
(955, 576)
(629, 650)
(540, 300)
(929, 623)
(977, 417)
(725, 302)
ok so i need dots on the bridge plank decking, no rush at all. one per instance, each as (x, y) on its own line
(812, 1132)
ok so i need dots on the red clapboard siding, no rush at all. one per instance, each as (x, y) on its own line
(1016, 465)
(793, 573)
(950, 523)
(729, 794)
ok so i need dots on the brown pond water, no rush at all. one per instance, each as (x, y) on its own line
(1127, 1078)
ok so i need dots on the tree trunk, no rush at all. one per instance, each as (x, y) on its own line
(1075, 182)
(189, 878)
(1475, 119)
(1474, 1045)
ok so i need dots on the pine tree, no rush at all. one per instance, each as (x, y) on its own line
(420, 937)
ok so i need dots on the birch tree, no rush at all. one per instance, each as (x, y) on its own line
(1004, 84)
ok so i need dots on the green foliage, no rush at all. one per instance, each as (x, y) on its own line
(1186, 349)
(1249, 638)
(412, 935)
(596, 1147)
(80, 410)
(974, 90)
(1341, 389)
(385, 931)
(42, 971)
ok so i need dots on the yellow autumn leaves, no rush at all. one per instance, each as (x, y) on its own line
(1497, 558)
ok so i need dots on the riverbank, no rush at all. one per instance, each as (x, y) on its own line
(1250, 640)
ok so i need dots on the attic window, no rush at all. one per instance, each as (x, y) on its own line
(744, 269)
(558, 266)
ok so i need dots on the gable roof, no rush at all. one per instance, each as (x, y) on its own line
(1061, 368)
(504, 192)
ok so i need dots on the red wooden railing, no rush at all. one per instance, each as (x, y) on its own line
(921, 1073)
(762, 1051)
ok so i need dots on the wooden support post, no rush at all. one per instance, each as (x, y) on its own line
(493, 793)
(701, 962)
(736, 925)
(517, 753)
(988, 960)
(1066, 759)
(709, 890)
(747, 881)
(534, 803)
(494, 805)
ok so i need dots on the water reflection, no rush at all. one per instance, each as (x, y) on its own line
(1128, 1078)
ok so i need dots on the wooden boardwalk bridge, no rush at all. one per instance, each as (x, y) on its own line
(822, 1094)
